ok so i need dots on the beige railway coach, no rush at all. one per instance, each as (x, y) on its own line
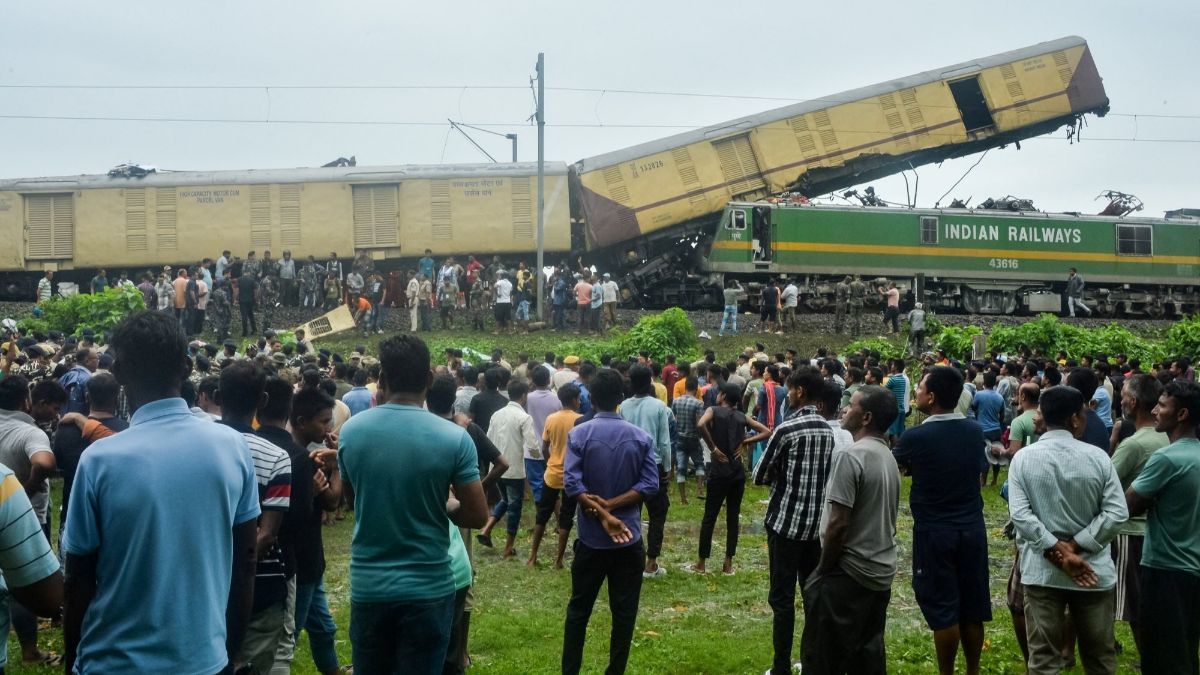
(90, 221)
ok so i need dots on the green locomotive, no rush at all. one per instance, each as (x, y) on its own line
(973, 260)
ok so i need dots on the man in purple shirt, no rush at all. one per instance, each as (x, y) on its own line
(541, 404)
(609, 469)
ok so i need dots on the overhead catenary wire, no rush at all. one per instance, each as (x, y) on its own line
(873, 101)
(961, 178)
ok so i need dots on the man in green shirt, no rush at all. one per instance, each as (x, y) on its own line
(1022, 431)
(1139, 395)
(1165, 491)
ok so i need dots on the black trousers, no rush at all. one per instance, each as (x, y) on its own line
(792, 561)
(729, 493)
(1170, 621)
(622, 567)
(249, 325)
(656, 508)
(843, 627)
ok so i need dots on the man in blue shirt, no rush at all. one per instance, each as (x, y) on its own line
(610, 468)
(988, 407)
(358, 399)
(1086, 381)
(558, 296)
(651, 415)
(75, 380)
(402, 461)
(944, 455)
(142, 596)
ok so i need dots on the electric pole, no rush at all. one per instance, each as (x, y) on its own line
(541, 184)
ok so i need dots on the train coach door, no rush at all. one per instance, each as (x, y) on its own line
(972, 105)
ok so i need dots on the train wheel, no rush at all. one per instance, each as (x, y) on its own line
(1155, 310)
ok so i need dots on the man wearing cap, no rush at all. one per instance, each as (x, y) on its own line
(569, 373)
(611, 294)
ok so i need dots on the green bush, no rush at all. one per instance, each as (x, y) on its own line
(957, 341)
(888, 349)
(668, 332)
(99, 312)
(1047, 335)
(1183, 338)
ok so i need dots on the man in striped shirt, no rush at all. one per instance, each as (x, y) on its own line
(687, 410)
(242, 393)
(795, 464)
(29, 566)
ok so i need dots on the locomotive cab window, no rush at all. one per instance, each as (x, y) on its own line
(929, 230)
(737, 221)
(1135, 240)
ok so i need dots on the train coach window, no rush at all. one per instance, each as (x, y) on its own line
(1135, 240)
(929, 230)
(737, 221)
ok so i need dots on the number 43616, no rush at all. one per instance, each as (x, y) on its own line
(1004, 263)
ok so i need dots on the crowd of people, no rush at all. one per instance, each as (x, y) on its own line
(206, 294)
(1102, 460)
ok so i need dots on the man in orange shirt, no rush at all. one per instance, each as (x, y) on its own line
(583, 301)
(554, 448)
(180, 284)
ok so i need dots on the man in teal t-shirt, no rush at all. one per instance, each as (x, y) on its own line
(402, 461)
(1166, 492)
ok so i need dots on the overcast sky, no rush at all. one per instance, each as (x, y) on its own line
(780, 50)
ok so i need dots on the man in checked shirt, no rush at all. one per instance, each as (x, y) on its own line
(795, 465)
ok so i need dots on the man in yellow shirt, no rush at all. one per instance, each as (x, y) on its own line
(554, 448)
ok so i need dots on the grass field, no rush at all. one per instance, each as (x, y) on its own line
(687, 624)
(691, 624)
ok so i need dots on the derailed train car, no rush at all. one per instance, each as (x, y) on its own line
(77, 224)
(638, 203)
(972, 260)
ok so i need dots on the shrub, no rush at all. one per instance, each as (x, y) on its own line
(99, 312)
(888, 349)
(958, 342)
(1183, 338)
(668, 332)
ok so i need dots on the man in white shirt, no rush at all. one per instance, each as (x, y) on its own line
(412, 294)
(503, 302)
(611, 294)
(1067, 505)
(790, 298)
(511, 430)
(831, 407)
(568, 374)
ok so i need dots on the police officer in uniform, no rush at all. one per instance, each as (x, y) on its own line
(220, 312)
(857, 290)
(268, 297)
(842, 297)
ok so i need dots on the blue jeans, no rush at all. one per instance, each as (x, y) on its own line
(410, 637)
(312, 615)
(377, 316)
(730, 316)
(560, 317)
(512, 492)
(535, 469)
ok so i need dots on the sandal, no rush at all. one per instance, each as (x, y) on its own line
(45, 659)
